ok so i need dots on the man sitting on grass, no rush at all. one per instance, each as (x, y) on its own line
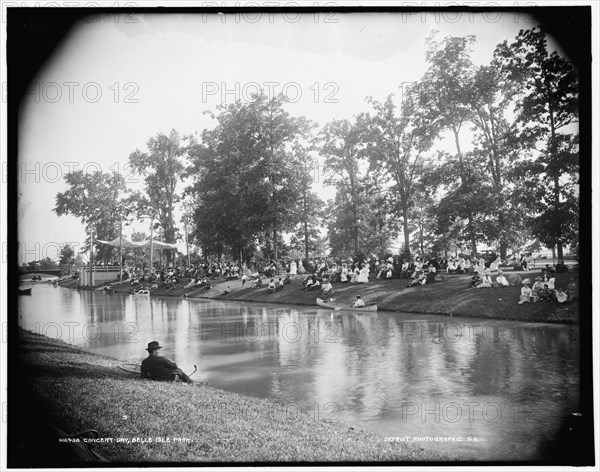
(156, 367)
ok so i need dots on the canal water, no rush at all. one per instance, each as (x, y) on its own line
(480, 389)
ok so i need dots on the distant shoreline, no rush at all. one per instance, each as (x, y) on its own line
(449, 296)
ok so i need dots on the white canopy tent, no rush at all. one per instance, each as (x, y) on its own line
(127, 243)
(122, 242)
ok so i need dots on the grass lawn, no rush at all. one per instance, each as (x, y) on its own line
(76, 390)
(450, 295)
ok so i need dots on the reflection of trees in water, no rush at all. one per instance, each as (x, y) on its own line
(508, 365)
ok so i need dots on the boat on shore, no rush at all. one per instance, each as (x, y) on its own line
(130, 367)
(331, 306)
(24, 291)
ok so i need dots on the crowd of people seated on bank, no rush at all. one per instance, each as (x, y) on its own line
(320, 275)
(544, 289)
(350, 270)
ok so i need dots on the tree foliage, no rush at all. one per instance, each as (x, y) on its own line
(547, 111)
(94, 198)
(247, 175)
(161, 168)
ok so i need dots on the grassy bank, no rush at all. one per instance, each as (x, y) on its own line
(451, 295)
(77, 390)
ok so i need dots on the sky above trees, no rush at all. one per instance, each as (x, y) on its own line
(116, 81)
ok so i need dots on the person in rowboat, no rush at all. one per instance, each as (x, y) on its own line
(359, 303)
(157, 367)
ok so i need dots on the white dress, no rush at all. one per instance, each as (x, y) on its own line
(502, 281)
(363, 276)
(293, 268)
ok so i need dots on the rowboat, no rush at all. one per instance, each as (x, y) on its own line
(131, 368)
(141, 292)
(331, 306)
(24, 291)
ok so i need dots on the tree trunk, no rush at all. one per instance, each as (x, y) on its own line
(267, 245)
(305, 239)
(559, 246)
(462, 179)
(405, 228)
(275, 244)
(91, 256)
(355, 218)
(552, 146)
(503, 243)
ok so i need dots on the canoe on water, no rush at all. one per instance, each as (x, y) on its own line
(24, 291)
(332, 306)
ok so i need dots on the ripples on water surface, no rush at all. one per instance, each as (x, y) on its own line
(510, 385)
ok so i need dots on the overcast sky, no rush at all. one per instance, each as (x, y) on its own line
(117, 81)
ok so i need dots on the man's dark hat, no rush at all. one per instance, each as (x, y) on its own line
(152, 346)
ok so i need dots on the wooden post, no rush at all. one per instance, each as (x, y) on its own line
(120, 249)
(91, 256)
(187, 248)
(151, 244)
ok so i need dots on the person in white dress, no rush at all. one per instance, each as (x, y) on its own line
(293, 268)
(501, 279)
(301, 269)
(363, 276)
(354, 277)
(359, 303)
(344, 273)
(389, 269)
(486, 282)
(526, 293)
(561, 297)
(495, 264)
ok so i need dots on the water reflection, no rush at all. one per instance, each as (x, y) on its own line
(509, 384)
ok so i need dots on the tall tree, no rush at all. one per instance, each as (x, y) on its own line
(497, 147)
(94, 198)
(547, 113)
(161, 168)
(279, 136)
(397, 143)
(443, 92)
(67, 255)
(247, 175)
(309, 204)
(344, 149)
